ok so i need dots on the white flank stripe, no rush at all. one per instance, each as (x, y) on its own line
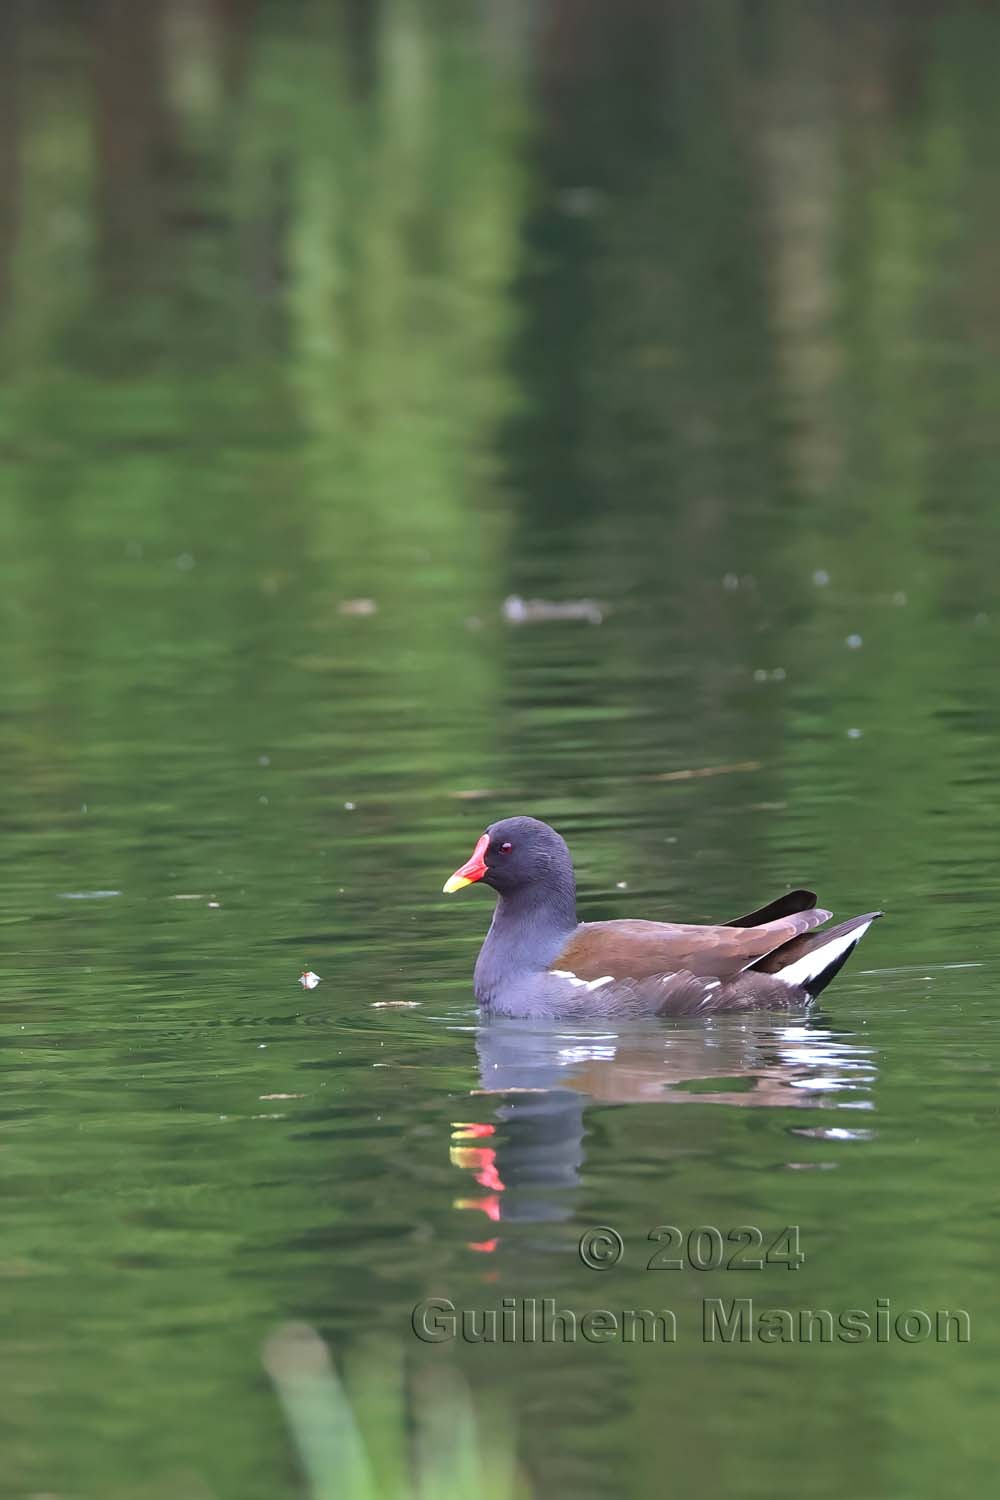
(813, 964)
(586, 984)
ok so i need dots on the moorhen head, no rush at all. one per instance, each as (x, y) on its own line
(538, 960)
(516, 855)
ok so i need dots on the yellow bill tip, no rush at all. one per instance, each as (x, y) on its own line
(455, 883)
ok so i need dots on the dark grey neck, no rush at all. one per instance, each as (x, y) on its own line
(530, 928)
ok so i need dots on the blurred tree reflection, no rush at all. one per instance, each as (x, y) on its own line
(417, 302)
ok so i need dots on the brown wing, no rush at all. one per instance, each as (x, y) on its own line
(638, 950)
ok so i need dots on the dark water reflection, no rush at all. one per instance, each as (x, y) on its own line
(531, 1149)
(688, 310)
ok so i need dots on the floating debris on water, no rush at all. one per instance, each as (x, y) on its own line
(357, 607)
(518, 611)
(855, 642)
(740, 765)
(87, 895)
(349, 806)
(731, 581)
(308, 979)
(621, 885)
(474, 794)
(280, 1096)
(394, 1004)
(821, 578)
(187, 896)
(855, 734)
(214, 905)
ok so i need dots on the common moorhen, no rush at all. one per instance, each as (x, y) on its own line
(538, 960)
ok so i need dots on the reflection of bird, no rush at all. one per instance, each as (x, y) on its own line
(538, 960)
(750, 1060)
(537, 1081)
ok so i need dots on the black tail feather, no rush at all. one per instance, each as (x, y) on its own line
(784, 906)
(796, 952)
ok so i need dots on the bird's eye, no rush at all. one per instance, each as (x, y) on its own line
(506, 848)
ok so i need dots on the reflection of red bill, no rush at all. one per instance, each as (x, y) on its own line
(489, 1205)
(485, 1247)
(489, 1177)
(482, 1161)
